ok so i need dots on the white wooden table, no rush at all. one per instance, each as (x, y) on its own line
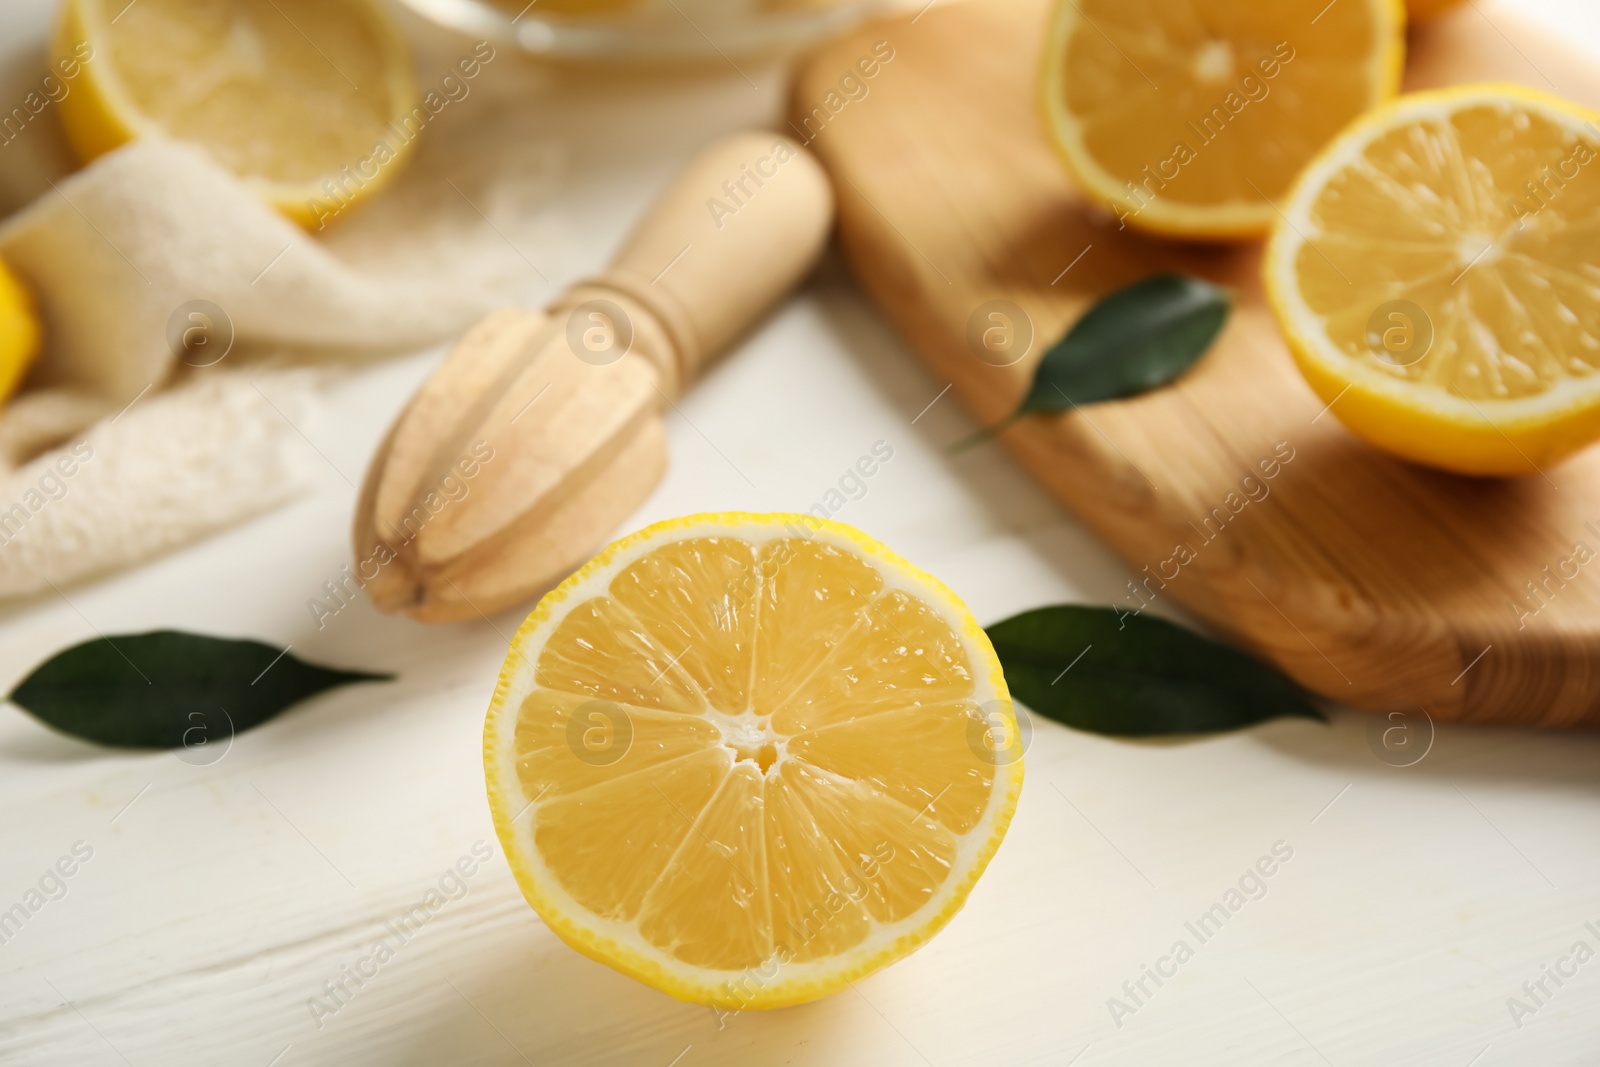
(219, 899)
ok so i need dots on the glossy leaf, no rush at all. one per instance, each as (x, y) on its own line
(1133, 340)
(1114, 672)
(154, 690)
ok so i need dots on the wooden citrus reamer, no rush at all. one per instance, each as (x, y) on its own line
(541, 431)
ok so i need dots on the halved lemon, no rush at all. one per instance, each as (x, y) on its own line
(310, 101)
(1190, 119)
(1437, 274)
(748, 759)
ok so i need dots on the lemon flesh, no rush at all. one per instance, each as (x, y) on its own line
(1437, 277)
(748, 759)
(1190, 118)
(290, 95)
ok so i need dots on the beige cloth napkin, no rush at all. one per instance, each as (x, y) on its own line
(141, 450)
(180, 464)
(115, 249)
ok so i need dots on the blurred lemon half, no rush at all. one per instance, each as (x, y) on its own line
(309, 101)
(1189, 119)
(748, 759)
(1435, 272)
(19, 333)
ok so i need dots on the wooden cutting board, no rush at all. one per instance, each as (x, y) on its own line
(1374, 582)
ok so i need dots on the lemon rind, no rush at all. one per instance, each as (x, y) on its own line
(24, 335)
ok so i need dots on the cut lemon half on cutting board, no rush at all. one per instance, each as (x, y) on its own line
(309, 101)
(748, 759)
(1437, 274)
(1189, 119)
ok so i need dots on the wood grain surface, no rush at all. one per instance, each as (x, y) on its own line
(1369, 580)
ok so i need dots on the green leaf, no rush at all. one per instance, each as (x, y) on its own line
(1133, 340)
(1114, 672)
(149, 690)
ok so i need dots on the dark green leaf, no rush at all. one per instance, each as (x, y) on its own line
(150, 690)
(1133, 340)
(1114, 672)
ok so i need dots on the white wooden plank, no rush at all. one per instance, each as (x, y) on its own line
(220, 902)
